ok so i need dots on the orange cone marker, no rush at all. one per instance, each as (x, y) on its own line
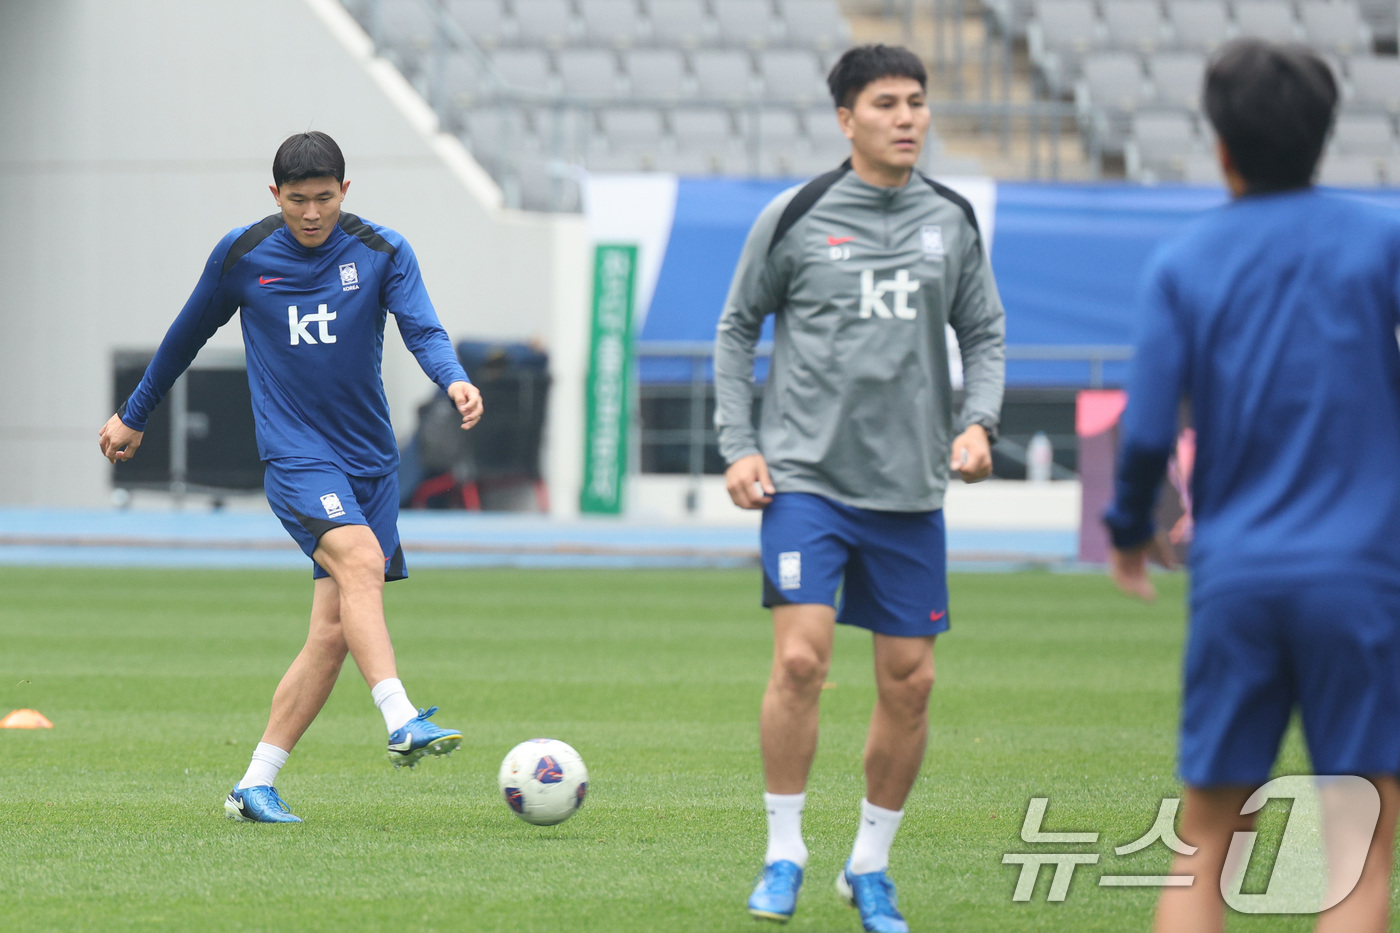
(26, 719)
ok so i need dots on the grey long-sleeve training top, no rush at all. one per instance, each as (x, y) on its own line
(862, 279)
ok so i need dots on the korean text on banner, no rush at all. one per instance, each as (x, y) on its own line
(609, 379)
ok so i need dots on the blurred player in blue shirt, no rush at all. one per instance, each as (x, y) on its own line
(314, 286)
(1276, 318)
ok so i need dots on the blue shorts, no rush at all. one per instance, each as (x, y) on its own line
(894, 564)
(1330, 648)
(313, 496)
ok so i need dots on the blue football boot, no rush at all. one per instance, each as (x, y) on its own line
(258, 804)
(775, 897)
(418, 737)
(873, 895)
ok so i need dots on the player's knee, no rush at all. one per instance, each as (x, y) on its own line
(910, 692)
(802, 669)
(328, 640)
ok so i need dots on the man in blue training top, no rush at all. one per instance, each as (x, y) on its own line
(1276, 317)
(314, 286)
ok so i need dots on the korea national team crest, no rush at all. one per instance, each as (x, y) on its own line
(350, 277)
(790, 570)
(931, 237)
(333, 507)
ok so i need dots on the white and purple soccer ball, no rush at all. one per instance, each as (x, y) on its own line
(543, 781)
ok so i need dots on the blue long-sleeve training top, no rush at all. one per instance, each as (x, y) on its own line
(313, 330)
(1276, 317)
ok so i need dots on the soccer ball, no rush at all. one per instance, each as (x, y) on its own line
(544, 781)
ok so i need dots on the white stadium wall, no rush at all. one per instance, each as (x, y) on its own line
(136, 133)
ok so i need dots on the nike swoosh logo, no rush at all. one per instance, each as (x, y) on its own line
(838, 240)
(263, 281)
(403, 746)
(935, 616)
(238, 803)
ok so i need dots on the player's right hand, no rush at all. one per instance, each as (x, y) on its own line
(1129, 568)
(118, 441)
(748, 482)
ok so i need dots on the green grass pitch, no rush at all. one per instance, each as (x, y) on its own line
(158, 684)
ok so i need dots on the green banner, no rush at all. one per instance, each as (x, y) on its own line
(609, 394)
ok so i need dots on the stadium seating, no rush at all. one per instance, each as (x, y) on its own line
(1375, 84)
(659, 73)
(1094, 51)
(1198, 25)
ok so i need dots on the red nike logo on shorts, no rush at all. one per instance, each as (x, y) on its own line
(263, 281)
(838, 240)
(935, 616)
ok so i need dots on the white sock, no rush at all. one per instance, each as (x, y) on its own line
(392, 700)
(267, 761)
(785, 828)
(874, 838)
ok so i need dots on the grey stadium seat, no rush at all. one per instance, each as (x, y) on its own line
(610, 22)
(494, 131)
(484, 21)
(658, 73)
(709, 128)
(631, 128)
(1368, 134)
(1266, 19)
(775, 127)
(1349, 171)
(1178, 79)
(744, 22)
(464, 80)
(1381, 16)
(822, 129)
(722, 74)
(1160, 144)
(546, 23)
(1134, 25)
(1110, 88)
(1199, 25)
(526, 69)
(814, 24)
(1335, 26)
(588, 73)
(792, 75)
(680, 23)
(1203, 168)
(1113, 80)
(1375, 84)
(689, 162)
(403, 30)
(1060, 35)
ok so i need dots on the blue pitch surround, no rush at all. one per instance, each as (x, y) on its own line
(110, 538)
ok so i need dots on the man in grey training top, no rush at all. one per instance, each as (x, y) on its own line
(862, 268)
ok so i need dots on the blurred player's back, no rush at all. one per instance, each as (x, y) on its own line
(1293, 371)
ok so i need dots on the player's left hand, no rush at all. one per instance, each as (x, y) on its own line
(119, 442)
(1129, 568)
(972, 454)
(467, 398)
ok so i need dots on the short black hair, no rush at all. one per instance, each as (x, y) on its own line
(307, 155)
(1272, 106)
(866, 63)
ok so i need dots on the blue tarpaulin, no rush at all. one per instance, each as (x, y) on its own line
(1068, 259)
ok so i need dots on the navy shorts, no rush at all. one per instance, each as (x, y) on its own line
(1330, 648)
(894, 565)
(312, 496)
